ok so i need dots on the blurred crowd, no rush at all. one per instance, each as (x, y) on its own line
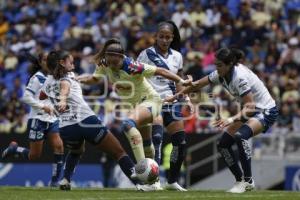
(267, 31)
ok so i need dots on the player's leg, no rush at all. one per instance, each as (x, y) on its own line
(35, 129)
(58, 151)
(147, 141)
(110, 145)
(138, 117)
(74, 145)
(176, 131)
(172, 120)
(225, 149)
(157, 136)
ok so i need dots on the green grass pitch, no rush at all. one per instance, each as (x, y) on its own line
(29, 193)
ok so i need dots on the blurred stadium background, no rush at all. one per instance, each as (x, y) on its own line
(266, 30)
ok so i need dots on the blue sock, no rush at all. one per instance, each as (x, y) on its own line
(177, 155)
(56, 167)
(241, 138)
(71, 161)
(225, 149)
(22, 151)
(157, 134)
(127, 167)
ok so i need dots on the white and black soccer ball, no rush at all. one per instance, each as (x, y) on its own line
(147, 170)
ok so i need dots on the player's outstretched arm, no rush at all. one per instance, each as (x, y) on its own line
(88, 79)
(194, 86)
(173, 77)
(64, 93)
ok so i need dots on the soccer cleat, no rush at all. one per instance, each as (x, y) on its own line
(238, 187)
(175, 186)
(53, 184)
(250, 186)
(156, 186)
(144, 188)
(64, 184)
(10, 150)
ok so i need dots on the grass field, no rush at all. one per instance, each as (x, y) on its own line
(22, 193)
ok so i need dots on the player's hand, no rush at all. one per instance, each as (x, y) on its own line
(48, 109)
(187, 82)
(62, 106)
(222, 123)
(169, 99)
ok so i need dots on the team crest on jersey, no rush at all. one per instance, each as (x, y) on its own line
(135, 67)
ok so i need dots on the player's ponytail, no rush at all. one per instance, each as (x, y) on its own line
(176, 43)
(53, 64)
(229, 56)
(36, 62)
(112, 45)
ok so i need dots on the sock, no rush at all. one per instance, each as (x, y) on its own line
(241, 138)
(148, 148)
(177, 155)
(127, 167)
(56, 167)
(135, 139)
(157, 134)
(71, 161)
(225, 149)
(22, 151)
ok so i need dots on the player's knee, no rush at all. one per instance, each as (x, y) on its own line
(243, 133)
(226, 141)
(128, 124)
(118, 153)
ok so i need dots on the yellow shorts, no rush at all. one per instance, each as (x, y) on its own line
(154, 105)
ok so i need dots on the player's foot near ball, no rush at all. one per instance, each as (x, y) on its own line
(64, 184)
(144, 188)
(156, 186)
(250, 185)
(175, 186)
(10, 150)
(238, 187)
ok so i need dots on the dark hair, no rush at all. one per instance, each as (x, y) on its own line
(36, 62)
(112, 45)
(229, 56)
(175, 44)
(53, 65)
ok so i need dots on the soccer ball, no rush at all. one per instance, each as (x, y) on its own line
(147, 170)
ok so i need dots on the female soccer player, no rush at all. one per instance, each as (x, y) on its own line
(258, 113)
(78, 122)
(42, 122)
(129, 79)
(165, 54)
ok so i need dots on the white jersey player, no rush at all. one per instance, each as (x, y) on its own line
(165, 54)
(257, 115)
(42, 122)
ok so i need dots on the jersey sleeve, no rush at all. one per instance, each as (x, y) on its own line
(33, 85)
(243, 86)
(135, 67)
(213, 77)
(149, 70)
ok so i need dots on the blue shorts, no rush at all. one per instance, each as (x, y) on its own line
(37, 130)
(267, 117)
(171, 113)
(90, 129)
